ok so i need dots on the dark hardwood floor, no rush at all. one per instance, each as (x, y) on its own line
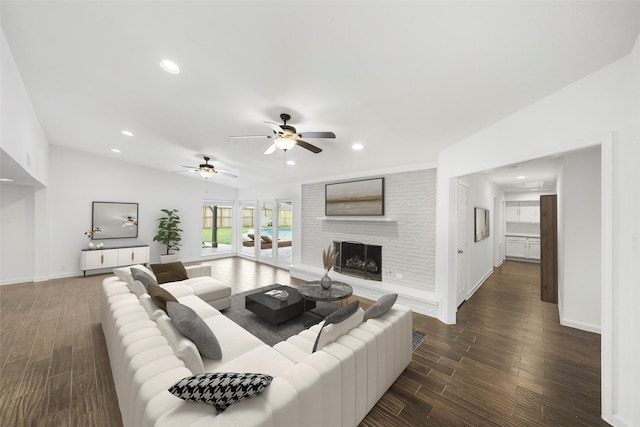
(507, 362)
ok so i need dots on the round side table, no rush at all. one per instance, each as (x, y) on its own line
(313, 291)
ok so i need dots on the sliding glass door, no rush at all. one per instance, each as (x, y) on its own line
(267, 231)
(285, 230)
(247, 230)
(217, 227)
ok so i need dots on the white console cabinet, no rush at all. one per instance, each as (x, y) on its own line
(95, 259)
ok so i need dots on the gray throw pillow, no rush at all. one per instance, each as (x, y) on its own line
(220, 389)
(337, 316)
(193, 327)
(160, 296)
(143, 277)
(380, 307)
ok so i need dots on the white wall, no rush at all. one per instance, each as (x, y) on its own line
(581, 115)
(620, 311)
(78, 178)
(17, 233)
(21, 135)
(480, 194)
(579, 274)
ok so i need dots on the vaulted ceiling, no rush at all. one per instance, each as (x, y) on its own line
(404, 79)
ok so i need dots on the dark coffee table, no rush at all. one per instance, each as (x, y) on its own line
(274, 310)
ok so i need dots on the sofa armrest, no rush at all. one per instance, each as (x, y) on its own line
(199, 270)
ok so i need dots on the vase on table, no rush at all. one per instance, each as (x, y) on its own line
(325, 282)
(91, 244)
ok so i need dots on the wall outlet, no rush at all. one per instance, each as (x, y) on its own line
(399, 276)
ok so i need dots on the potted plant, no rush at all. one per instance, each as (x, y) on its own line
(169, 234)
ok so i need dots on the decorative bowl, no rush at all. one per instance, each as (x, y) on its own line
(282, 296)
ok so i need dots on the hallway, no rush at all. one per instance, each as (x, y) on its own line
(507, 362)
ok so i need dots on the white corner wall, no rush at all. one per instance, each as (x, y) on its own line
(78, 178)
(579, 269)
(584, 114)
(21, 135)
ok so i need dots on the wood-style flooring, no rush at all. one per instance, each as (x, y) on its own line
(507, 362)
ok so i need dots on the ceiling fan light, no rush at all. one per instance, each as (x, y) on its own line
(206, 172)
(285, 143)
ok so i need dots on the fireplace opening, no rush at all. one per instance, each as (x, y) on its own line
(359, 260)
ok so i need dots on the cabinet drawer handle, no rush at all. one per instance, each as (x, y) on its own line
(101, 259)
(133, 255)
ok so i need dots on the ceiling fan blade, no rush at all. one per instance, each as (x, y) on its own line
(309, 147)
(317, 135)
(190, 167)
(271, 148)
(250, 136)
(226, 173)
(276, 127)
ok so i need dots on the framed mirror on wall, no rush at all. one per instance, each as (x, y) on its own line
(114, 220)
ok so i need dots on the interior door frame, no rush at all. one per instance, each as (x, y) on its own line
(462, 265)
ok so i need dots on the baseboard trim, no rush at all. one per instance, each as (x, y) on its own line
(581, 325)
(480, 282)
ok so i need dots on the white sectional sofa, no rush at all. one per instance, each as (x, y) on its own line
(199, 283)
(334, 386)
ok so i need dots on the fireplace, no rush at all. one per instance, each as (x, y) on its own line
(359, 260)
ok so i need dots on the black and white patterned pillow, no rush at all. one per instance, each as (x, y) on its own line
(220, 389)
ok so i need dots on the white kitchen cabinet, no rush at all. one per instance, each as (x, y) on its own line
(523, 212)
(522, 247)
(94, 259)
(533, 251)
(516, 247)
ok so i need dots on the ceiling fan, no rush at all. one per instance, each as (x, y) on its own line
(208, 170)
(286, 137)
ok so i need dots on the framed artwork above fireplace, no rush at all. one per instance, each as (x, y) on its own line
(355, 198)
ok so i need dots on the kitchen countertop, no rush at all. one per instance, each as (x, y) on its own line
(521, 235)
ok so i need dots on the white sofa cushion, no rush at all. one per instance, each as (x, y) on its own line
(124, 273)
(234, 341)
(184, 348)
(262, 359)
(137, 288)
(150, 307)
(329, 333)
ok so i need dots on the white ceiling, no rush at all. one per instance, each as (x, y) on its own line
(406, 79)
(533, 175)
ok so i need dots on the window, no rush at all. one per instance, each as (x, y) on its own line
(217, 227)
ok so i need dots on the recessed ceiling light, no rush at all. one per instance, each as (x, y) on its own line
(115, 150)
(357, 146)
(127, 132)
(6, 180)
(170, 66)
(520, 177)
(291, 162)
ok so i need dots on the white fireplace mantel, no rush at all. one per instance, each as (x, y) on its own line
(356, 218)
